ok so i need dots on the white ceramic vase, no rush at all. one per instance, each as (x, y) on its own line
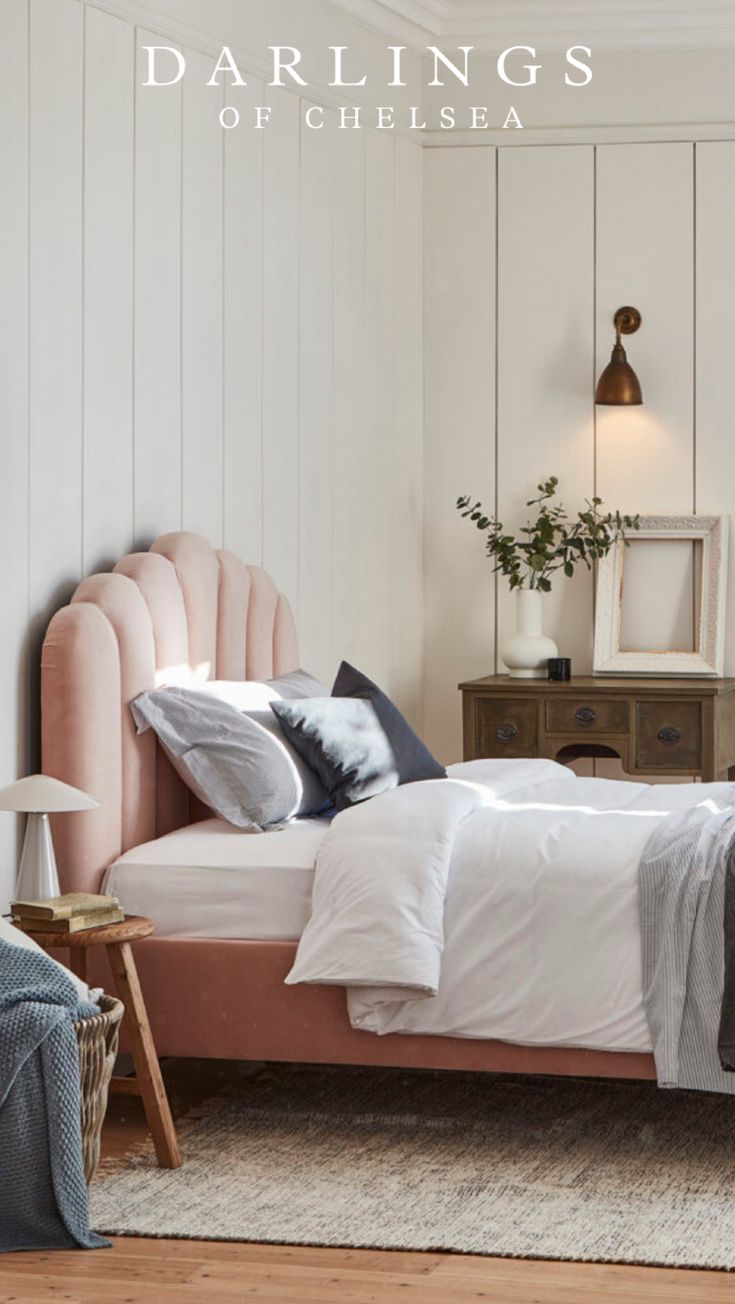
(527, 652)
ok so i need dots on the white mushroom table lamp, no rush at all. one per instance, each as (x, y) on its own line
(38, 796)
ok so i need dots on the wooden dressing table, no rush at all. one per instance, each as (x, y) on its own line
(656, 726)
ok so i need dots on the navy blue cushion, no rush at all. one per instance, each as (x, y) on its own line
(413, 760)
(356, 741)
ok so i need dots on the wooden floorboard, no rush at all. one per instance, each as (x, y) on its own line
(144, 1271)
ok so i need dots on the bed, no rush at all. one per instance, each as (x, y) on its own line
(214, 987)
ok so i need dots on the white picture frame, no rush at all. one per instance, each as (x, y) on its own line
(706, 660)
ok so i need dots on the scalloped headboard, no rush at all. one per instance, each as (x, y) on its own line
(179, 612)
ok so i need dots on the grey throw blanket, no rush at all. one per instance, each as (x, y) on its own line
(43, 1193)
(681, 894)
(727, 1018)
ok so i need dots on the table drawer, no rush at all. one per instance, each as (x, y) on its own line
(505, 728)
(598, 715)
(668, 735)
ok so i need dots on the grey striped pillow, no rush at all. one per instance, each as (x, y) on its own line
(238, 763)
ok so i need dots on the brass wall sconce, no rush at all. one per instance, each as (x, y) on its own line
(618, 385)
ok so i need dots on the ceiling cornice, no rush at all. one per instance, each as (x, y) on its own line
(414, 23)
(491, 24)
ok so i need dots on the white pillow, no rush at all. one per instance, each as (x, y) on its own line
(16, 936)
(255, 695)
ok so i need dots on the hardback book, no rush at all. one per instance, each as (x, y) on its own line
(77, 923)
(64, 907)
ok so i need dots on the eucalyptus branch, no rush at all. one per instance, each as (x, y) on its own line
(552, 541)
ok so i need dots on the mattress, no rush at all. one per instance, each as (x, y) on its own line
(213, 880)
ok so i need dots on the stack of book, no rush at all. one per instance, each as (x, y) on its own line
(71, 913)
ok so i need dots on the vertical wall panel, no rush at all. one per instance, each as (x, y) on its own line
(645, 258)
(459, 428)
(13, 413)
(108, 288)
(350, 450)
(315, 396)
(374, 524)
(280, 346)
(545, 361)
(407, 499)
(56, 225)
(157, 413)
(715, 314)
(201, 302)
(243, 271)
(645, 252)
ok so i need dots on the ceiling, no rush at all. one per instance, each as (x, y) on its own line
(601, 24)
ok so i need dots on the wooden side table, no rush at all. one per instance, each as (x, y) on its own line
(656, 726)
(147, 1083)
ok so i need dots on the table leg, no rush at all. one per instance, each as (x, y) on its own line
(152, 1090)
(78, 961)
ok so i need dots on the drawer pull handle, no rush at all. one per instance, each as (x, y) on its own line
(505, 733)
(585, 716)
(669, 735)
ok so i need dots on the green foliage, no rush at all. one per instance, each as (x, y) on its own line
(553, 541)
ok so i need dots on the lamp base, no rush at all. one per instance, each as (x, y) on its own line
(38, 878)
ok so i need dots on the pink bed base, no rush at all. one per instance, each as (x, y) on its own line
(229, 1001)
(180, 608)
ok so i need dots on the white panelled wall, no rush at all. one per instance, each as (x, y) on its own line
(198, 330)
(578, 231)
(306, 344)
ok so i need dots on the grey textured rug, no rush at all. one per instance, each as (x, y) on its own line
(532, 1168)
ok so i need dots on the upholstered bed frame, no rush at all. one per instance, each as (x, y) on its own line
(160, 615)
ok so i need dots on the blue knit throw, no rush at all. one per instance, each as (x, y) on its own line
(43, 1193)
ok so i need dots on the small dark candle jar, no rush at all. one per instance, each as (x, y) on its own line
(560, 669)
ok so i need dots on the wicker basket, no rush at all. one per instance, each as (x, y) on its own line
(97, 1038)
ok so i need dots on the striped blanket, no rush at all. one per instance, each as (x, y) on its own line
(683, 875)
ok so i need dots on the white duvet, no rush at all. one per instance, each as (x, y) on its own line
(500, 902)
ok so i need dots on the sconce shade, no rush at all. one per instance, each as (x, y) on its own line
(618, 385)
(43, 795)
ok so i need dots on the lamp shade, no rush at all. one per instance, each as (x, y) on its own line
(618, 385)
(43, 795)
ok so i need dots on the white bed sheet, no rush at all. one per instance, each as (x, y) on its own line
(213, 880)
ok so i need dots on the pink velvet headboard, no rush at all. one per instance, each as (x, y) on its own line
(181, 610)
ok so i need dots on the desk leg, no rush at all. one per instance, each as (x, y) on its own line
(152, 1090)
(78, 961)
